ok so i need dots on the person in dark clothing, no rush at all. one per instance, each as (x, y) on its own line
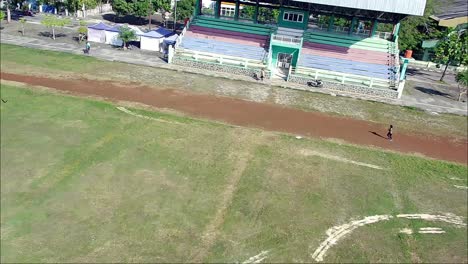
(262, 74)
(390, 133)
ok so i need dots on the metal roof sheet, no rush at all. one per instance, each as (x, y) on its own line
(407, 7)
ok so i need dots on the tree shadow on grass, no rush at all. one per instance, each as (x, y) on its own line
(49, 35)
(432, 91)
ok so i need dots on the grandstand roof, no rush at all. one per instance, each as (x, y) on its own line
(406, 7)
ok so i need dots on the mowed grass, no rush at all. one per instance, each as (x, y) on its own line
(84, 182)
(22, 60)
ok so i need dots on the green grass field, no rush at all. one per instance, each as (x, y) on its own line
(82, 181)
(22, 60)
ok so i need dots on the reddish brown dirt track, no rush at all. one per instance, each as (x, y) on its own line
(261, 115)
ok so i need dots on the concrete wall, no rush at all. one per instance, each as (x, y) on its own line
(347, 89)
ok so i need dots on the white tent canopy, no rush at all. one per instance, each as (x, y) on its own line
(96, 33)
(153, 40)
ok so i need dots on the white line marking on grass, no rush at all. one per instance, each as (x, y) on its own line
(448, 218)
(257, 258)
(407, 231)
(125, 110)
(461, 187)
(337, 232)
(431, 230)
(327, 156)
(456, 179)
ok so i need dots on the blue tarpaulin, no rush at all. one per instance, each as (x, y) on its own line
(158, 33)
(100, 26)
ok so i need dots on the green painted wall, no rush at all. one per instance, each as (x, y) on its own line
(280, 49)
(290, 24)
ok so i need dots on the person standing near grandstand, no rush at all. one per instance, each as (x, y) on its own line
(390, 133)
(262, 74)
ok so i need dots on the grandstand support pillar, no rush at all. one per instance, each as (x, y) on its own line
(353, 25)
(331, 23)
(197, 10)
(256, 13)
(236, 12)
(403, 69)
(217, 9)
(396, 30)
(375, 24)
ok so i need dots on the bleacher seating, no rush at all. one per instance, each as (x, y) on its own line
(344, 66)
(227, 37)
(223, 48)
(231, 25)
(370, 57)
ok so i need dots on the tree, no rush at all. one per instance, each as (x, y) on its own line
(185, 9)
(23, 22)
(452, 48)
(462, 80)
(264, 14)
(82, 31)
(53, 22)
(2, 15)
(75, 5)
(122, 7)
(415, 29)
(126, 34)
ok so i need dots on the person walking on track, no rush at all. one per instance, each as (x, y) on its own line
(390, 133)
(262, 74)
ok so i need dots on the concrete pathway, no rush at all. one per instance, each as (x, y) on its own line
(432, 103)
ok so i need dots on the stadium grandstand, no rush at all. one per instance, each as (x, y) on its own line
(351, 42)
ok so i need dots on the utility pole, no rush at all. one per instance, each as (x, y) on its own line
(175, 14)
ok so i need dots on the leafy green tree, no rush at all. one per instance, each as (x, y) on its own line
(122, 7)
(2, 15)
(462, 80)
(185, 9)
(264, 14)
(23, 23)
(82, 31)
(54, 22)
(126, 34)
(453, 48)
(415, 29)
(140, 8)
(75, 5)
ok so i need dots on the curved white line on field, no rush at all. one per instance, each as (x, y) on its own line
(257, 258)
(125, 110)
(461, 187)
(336, 233)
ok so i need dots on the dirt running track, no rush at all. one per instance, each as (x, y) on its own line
(260, 115)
